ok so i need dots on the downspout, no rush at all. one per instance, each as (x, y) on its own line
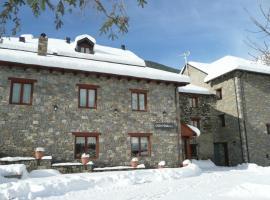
(240, 101)
(178, 126)
(244, 115)
(238, 116)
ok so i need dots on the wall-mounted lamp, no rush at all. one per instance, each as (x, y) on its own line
(55, 108)
(164, 112)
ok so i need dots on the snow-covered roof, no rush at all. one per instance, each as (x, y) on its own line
(230, 63)
(195, 130)
(194, 89)
(62, 55)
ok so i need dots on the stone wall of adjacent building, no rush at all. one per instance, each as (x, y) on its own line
(256, 100)
(196, 76)
(204, 111)
(23, 128)
(230, 134)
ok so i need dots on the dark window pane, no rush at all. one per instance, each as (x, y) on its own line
(91, 98)
(27, 93)
(135, 146)
(134, 98)
(144, 146)
(141, 100)
(83, 97)
(194, 152)
(79, 146)
(16, 93)
(91, 146)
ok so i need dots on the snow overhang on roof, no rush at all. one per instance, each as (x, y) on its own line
(189, 130)
(193, 89)
(62, 55)
(228, 64)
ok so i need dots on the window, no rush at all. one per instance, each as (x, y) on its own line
(140, 144)
(85, 45)
(219, 93)
(87, 96)
(86, 143)
(138, 100)
(268, 128)
(21, 91)
(195, 122)
(193, 102)
(222, 120)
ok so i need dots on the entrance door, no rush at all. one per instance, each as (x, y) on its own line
(221, 153)
(186, 145)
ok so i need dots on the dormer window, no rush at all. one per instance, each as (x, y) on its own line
(85, 45)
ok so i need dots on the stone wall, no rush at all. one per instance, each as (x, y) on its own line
(196, 76)
(230, 134)
(256, 89)
(205, 112)
(25, 127)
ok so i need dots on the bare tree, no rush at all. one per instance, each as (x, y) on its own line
(262, 47)
(116, 19)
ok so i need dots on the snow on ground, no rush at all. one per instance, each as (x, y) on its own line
(199, 180)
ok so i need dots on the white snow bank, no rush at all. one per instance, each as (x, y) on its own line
(15, 169)
(43, 173)
(13, 159)
(204, 164)
(61, 184)
(194, 89)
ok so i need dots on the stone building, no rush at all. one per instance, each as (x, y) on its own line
(196, 109)
(241, 112)
(74, 97)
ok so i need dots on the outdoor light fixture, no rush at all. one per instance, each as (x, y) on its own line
(55, 108)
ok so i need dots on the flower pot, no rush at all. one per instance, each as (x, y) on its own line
(85, 160)
(134, 164)
(39, 153)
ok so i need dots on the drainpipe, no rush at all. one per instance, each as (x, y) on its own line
(240, 102)
(178, 126)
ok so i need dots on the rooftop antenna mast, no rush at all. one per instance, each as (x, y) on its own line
(186, 55)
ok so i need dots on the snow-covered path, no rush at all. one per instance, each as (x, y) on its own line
(217, 185)
(214, 183)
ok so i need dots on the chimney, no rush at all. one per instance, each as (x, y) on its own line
(22, 39)
(42, 44)
(123, 47)
(68, 40)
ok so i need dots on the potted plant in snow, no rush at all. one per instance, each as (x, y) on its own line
(134, 162)
(39, 152)
(85, 158)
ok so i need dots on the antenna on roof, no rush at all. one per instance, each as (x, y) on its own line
(186, 55)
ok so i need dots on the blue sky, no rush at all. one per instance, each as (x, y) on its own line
(163, 30)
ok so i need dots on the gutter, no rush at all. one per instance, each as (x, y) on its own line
(244, 115)
(241, 104)
(178, 127)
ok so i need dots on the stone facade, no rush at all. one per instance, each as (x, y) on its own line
(25, 127)
(227, 140)
(204, 111)
(256, 106)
